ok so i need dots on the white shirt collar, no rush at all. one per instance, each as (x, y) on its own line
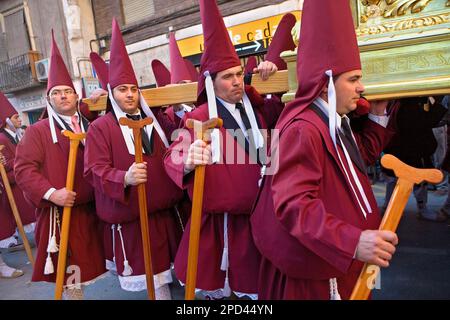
(187, 108)
(68, 119)
(229, 106)
(323, 106)
(12, 133)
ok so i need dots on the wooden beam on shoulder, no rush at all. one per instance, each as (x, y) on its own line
(187, 92)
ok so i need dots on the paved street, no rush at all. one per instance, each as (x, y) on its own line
(420, 269)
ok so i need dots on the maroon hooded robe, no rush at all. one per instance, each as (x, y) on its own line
(41, 165)
(106, 162)
(26, 210)
(229, 188)
(307, 221)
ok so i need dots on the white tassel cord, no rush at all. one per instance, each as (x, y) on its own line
(212, 110)
(49, 268)
(52, 246)
(127, 270)
(332, 106)
(225, 261)
(52, 117)
(334, 293)
(113, 243)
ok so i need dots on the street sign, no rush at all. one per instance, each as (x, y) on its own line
(89, 85)
(250, 38)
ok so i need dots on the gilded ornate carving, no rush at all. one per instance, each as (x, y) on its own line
(372, 10)
(400, 7)
(295, 32)
(391, 8)
(404, 25)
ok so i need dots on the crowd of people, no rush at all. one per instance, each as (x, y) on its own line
(293, 218)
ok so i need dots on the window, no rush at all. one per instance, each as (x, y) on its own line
(137, 10)
(14, 39)
(3, 48)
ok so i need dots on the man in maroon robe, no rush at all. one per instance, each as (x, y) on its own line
(180, 72)
(11, 133)
(110, 168)
(41, 170)
(316, 219)
(228, 260)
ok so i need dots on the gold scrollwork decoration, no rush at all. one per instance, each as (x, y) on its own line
(404, 25)
(295, 32)
(391, 8)
(372, 9)
(400, 7)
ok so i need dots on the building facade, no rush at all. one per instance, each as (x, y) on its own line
(25, 42)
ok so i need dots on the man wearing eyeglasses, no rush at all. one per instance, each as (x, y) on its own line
(41, 170)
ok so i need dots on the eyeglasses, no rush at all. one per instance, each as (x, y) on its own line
(56, 93)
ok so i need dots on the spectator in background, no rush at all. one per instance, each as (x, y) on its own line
(445, 209)
(414, 143)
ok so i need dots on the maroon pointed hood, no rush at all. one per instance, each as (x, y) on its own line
(325, 44)
(58, 74)
(219, 53)
(178, 67)
(161, 73)
(282, 41)
(101, 68)
(192, 70)
(251, 64)
(6, 109)
(120, 67)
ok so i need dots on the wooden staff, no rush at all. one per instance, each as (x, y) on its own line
(14, 210)
(407, 177)
(75, 139)
(136, 126)
(197, 206)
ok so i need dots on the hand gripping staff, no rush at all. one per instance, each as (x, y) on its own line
(136, 126)
(14, 210)
(197, 206)
(407, 177)
(75, 139)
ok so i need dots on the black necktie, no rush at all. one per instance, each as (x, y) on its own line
(146, 143)
(16, 139)
(351, 146)
(249, 130)
(244, 116)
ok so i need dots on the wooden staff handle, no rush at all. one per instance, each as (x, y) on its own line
(200, 128)
(75, 139)
(15, 211)
(136, 126)
(407, 177)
